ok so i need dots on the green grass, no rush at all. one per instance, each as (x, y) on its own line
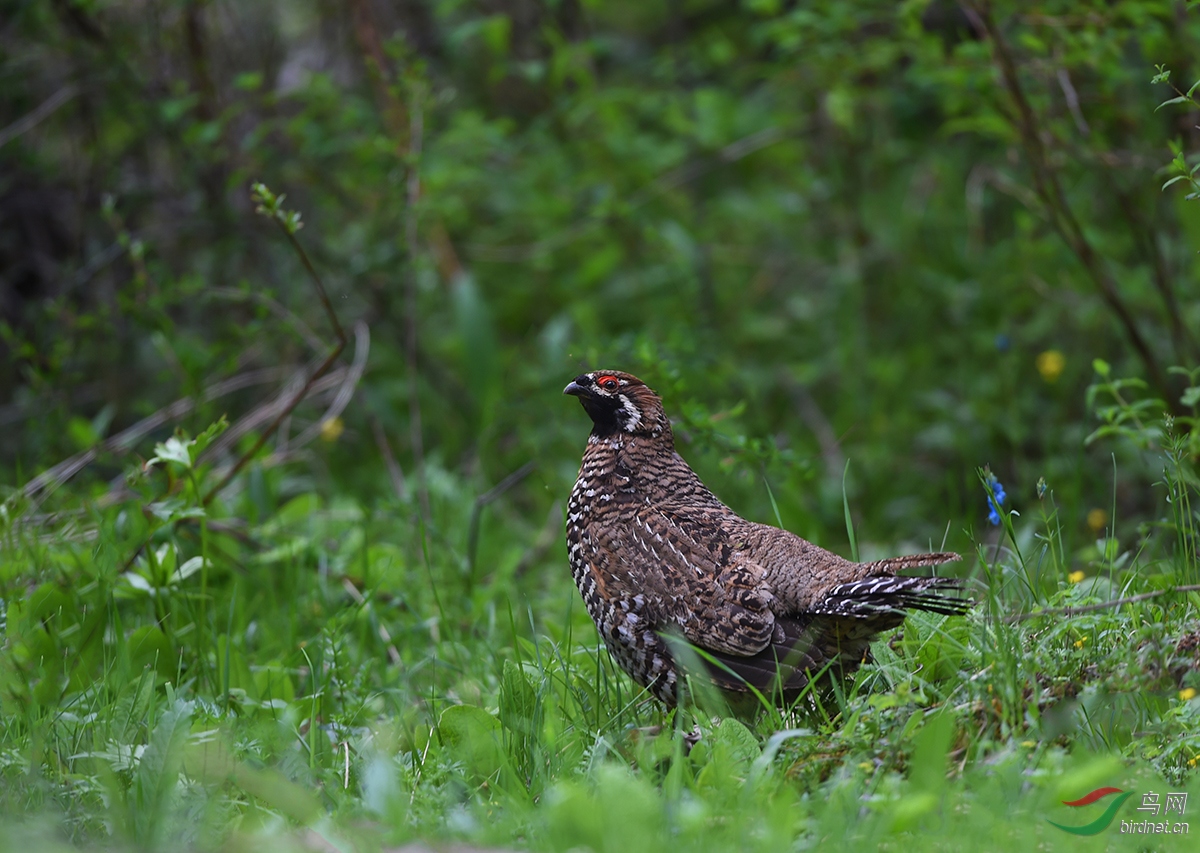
(335, 668)
(861, 250)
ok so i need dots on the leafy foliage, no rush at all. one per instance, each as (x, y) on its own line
(263, 580)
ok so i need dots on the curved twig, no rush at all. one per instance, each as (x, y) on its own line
(43, 110)
(322, 369)
(351, 376)
(1104, 605)
(1049, 190)
(123, 441)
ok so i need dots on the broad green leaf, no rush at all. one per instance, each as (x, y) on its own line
(472, 735)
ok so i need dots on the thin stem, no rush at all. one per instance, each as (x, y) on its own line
(1104, 605)
(1050, 192)
(416, 137)
(312, 379)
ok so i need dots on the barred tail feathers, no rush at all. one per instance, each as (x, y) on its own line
(875, 596)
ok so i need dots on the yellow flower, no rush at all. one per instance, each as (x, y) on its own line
(1050, 364)
(1187, 694)
(1191, 762)
(1079, 643)
(1097, 519)
(332, 429)
(1075, 577)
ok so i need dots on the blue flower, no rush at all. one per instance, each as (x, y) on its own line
(999, 495)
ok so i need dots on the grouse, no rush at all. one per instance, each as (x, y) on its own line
(655, 553)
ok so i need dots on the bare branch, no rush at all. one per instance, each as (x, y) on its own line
(1049, 190)
(289, 232)
(1072, 97)
(123, 441)
(395, 472)
(1104, 605)
(39, 113)
(362, 346)
(483, 500)
(266, 412)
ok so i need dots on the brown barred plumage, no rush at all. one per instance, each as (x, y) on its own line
(654, 552)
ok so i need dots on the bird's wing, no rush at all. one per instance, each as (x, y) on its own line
(695, 577)
(805, 645)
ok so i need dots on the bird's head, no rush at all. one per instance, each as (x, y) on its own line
(620, 403)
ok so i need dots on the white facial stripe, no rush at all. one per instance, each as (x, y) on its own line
(632, 416)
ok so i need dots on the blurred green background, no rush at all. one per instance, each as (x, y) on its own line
(823, 223)
(862, 249)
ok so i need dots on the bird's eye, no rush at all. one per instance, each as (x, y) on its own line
(608, 383)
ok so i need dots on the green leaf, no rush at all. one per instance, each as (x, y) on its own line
(729, 750)
(138, 582)
(932, 743)
(188, 569)
(519, 709)
(739, 741)
(148, 647)
(174, 509)
(849, 520)
(472, 736)
(157, 773)
(204, 439)
(83, 435)
(1180, 100)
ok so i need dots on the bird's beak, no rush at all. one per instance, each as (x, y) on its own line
(575, 389)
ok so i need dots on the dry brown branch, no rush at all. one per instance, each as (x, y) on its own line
(379, 69)
(38, 114)
(346, 388)
(1104, 605)
(982, 175)
(395, 472)
(1050, 192)
(1072, 98)
(53, 477)
(268, 412)
(814, 418)
(269, 206)
(482, 501)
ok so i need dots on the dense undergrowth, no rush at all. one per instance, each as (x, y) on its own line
(281, 560)
(177, 677)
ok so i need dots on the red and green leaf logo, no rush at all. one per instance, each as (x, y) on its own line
(1101, 823)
